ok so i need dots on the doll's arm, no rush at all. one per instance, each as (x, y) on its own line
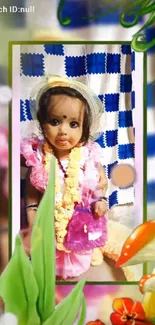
(100, 207)
(32, 200)
(103, 183)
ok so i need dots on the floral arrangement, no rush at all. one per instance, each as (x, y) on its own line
(71, 191)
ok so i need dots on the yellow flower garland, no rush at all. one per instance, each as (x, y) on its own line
(64, 209)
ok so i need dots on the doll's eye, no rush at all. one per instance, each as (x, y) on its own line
(74, 124)
(54, 122)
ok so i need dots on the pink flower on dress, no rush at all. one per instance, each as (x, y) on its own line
(39, 176)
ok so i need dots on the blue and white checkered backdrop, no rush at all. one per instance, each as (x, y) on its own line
(106, 27)
(106, 69)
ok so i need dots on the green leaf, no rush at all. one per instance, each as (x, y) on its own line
(18, 287)
(43, 249)
(83, 312)
(67, 310)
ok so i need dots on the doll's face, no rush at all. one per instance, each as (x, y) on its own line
(65, 125)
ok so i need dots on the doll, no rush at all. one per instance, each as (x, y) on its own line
(68, 113)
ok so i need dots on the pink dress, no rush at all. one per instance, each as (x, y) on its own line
(75, 263)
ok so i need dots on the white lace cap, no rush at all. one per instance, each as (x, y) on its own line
(95, 104)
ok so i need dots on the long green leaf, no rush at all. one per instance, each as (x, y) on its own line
(43, 249)
(18, 287)
(71, 316)
(69, 306)
(83, 312)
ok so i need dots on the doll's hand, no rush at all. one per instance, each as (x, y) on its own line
(100, 208)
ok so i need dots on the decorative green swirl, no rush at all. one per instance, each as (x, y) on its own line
(146, 8)
(136, 9)
(67, 20)
(139, 42)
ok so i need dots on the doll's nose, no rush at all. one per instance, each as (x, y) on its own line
(63, 129)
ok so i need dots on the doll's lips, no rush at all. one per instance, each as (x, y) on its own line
(62, 141)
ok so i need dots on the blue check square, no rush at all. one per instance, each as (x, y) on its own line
(126, 83)
(111, 138)
(113, 63)
(126, 49)
(133, 61)
(54, 49)
(100, 141)
(22, 115)
(111, 102)
(110, 167)
(25, 113)
(126, 151)
(133, 99)
(32, 65)
(101, 97)
(75, 66)
(113, 199)
(125, 119)
(96, 63)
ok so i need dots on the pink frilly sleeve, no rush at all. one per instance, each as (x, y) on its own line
(38, 176)
(27, 150)
(96, 152)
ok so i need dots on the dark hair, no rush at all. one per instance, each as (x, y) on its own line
(44, 101)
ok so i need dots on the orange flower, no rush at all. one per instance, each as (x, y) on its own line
(96, 322)
(128, 312)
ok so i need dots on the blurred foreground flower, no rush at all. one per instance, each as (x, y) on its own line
(128, 312)
(8, 319)
(96, 322)
(4, 158)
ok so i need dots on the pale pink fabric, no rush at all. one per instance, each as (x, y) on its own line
(71, 265)
(67, 264)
